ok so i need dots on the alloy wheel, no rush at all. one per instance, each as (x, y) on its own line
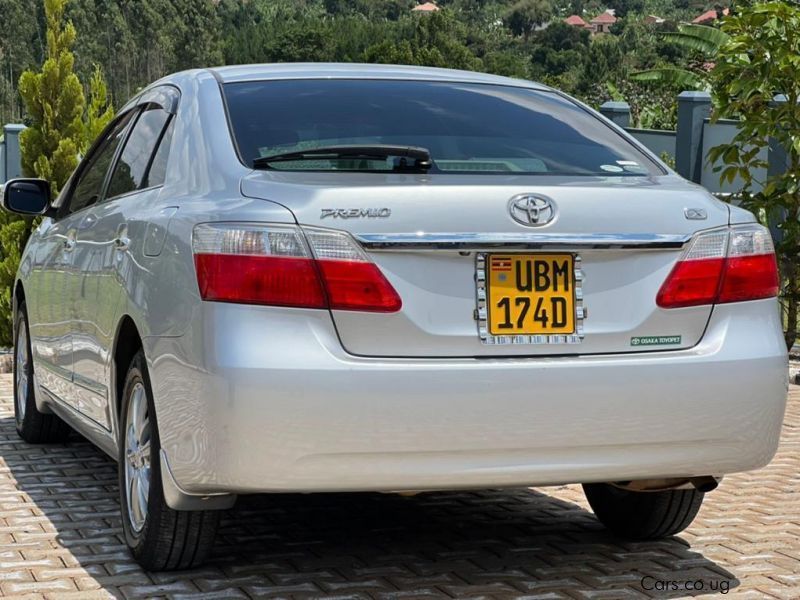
(137, 457)
(22, 372)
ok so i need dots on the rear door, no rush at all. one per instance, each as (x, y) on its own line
(79, 210)
(540, 229)
(103, 241)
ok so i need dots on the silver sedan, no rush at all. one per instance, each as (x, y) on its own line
(317, 278)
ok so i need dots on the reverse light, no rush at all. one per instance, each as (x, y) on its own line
(284, 265)
(720, 266)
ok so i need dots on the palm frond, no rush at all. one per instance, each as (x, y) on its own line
(712, 35)
(702, 38)
(672, 76)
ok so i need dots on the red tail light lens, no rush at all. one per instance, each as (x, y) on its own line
(274, 265)
(749, 278)
(273, 280)
(352, 280)
(731, 265)
(355, 285)
(691, 283)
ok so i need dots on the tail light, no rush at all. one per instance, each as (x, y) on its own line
(284, 265)
(721, 266)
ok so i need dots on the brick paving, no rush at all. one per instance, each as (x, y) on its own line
(60, 538)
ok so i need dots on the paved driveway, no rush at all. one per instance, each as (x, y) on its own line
(60, 538)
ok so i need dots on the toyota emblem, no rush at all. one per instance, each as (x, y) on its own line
(532, 210)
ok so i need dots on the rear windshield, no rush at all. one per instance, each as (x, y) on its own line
(468, 128)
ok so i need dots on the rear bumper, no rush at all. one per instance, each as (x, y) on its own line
(265, 399)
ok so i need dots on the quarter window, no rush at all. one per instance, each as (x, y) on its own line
(158, 169)
(90, 183)
(131, 171)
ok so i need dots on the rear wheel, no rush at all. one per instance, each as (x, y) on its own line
(32, 426)
(160, 538)
(643, 515)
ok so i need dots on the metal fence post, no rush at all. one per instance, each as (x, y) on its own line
(11, 156)
(617, 112)
(693, 109)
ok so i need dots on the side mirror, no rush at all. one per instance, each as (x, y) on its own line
(27, 196)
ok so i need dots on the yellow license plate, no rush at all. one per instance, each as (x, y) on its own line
(531, 294)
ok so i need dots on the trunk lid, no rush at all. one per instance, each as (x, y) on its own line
(431, 236)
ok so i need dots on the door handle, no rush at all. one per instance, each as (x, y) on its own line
(121, 243)
(69, 245)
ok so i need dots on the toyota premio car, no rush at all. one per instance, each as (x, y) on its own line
(319, 278)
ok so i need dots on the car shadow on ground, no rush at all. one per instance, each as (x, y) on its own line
(495, 543)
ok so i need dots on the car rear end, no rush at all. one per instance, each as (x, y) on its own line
(545, 304)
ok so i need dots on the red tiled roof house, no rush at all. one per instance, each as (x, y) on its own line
(576, 21)
(425, 8)
(602, 23)
(709, 16)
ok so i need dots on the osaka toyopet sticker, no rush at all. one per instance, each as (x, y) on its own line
(656, 340)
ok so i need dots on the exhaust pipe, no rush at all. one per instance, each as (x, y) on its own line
(703, 484)
(706, 484)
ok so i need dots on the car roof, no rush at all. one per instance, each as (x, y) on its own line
(239, 73)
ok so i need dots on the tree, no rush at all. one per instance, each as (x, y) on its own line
(437, 40)
(99, 110)
(61, 124)
(198, 34)
(559, 48)
(373, 9)
(507, 63)
(698, 38)
(622, 8)
(604, 60)
(54, 102)
(19, 47)
(526, 15)
(14, 232)
(60, 127)
(760, 59)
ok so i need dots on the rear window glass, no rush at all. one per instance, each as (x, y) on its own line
(468, 128)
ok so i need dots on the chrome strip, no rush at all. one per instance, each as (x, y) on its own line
(505, 340)
(90, 385)
(521, 241)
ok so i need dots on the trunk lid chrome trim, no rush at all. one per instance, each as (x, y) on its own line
(521, 241)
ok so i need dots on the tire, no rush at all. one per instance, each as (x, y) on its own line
(643, 515)
(160, 538)
(32, 426)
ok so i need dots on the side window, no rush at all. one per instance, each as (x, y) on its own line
(89, 186)
(130, 173)
(158, 168)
